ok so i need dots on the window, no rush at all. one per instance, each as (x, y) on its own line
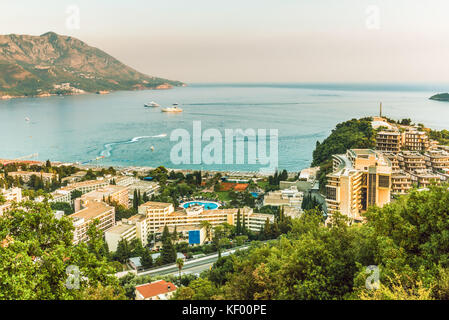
(384, 181)
(331, 193)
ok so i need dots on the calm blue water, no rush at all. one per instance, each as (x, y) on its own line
(117, 126)
(207, 205)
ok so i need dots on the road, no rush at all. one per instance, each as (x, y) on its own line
(190, 266)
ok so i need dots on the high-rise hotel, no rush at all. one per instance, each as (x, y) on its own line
(361, 178)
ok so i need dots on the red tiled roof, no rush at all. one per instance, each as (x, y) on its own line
(155, 288)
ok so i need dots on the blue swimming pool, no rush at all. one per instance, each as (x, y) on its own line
(208, 205)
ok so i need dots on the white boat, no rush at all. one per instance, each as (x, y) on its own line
(151, 104)
(174, 108)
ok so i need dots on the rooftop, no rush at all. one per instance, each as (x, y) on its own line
(120, 228)
(105, 191)
(83, 184)
(92, 210)
(153, 289)
(157, 205)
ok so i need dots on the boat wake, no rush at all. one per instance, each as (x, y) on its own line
(108, 147)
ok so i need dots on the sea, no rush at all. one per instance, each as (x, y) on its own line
(117, 130)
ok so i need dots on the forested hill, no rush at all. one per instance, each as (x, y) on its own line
(56, 64)
(346, 135)
(355, 133)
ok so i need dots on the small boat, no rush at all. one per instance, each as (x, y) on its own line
(174, 108)
(27, 119)
(152, 148)
(151, 104)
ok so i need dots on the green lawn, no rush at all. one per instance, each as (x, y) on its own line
(262, 184)
(223, 195)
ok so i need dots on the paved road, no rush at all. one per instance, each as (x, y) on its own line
(190, 266)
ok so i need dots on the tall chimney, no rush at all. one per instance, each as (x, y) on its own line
(380, 110)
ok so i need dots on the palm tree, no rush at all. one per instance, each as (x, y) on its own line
(180, 264)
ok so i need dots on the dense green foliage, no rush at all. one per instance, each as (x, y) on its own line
(441, 136)
(36, 252)
(408, 240)
(346, 135)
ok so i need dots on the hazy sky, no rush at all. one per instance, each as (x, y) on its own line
(254, 40)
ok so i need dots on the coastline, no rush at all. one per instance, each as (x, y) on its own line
(164, 86)
(137, 168)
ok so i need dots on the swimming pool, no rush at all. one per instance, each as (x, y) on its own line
(208, 205)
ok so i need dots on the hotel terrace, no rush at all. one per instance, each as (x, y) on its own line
(153, 216)
(361, 178)
(420, 169)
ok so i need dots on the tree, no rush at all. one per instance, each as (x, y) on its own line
(199, 289)
(238, 229)
(135, 200)
(146, 260)
(76, 194)
(180, 264)
(168, 254)
(123, 252)
(136, 248)
(175, 235)
(220, 239)
(61, 206)
(36, 252)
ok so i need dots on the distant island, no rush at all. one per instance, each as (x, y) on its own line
(53, 64)
(440, 97)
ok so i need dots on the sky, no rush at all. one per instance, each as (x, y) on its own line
(254, 40)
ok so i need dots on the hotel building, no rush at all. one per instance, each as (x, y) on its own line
(411, 139)
(121, 231)
(415, 140)
(390, 141)
(287, 197)
(10, 196)
(91, 210)
(110, 194)
(401, 182)
(154, 216)
(65, 193)
(26, 175)
(361, 178)
(411, 160)
(437, 159)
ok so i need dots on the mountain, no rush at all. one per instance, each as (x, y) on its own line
(56, 64)
(440, 97)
